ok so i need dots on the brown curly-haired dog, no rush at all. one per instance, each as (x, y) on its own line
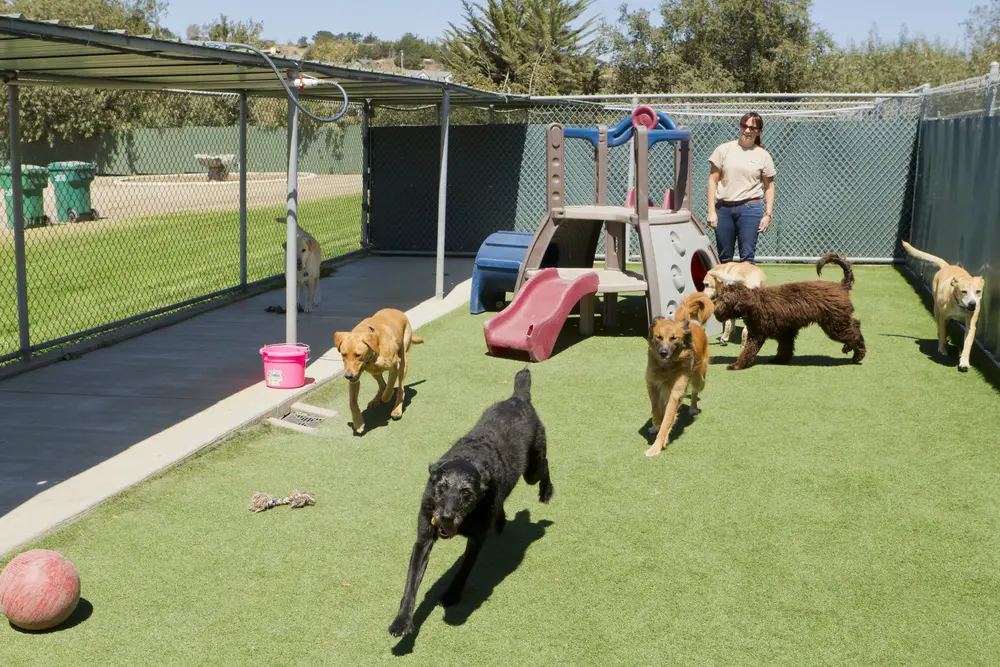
(779, 312)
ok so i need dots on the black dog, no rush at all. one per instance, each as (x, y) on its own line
(468, 485)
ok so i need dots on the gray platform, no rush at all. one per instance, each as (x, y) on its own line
(62, 419)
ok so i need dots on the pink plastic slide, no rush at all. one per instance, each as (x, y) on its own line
(535, 317)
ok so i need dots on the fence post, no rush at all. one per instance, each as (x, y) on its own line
(366, 157)
(489, 114)
(292, 216)
(630, 231)
(243, 188)
(991, 88)
(901, 257)
(17, 199)
(444, 113)
(631, 152)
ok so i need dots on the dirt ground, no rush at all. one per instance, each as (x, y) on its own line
(117, 200)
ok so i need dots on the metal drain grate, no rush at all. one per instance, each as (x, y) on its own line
(303, 420)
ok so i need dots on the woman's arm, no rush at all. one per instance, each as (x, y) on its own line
(713, 181)
(768, 203)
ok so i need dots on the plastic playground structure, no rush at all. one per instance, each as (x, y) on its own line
(675, 249)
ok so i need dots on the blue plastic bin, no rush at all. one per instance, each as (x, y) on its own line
(495, 271)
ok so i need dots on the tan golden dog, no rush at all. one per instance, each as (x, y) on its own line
(677, 357)
(377, 344)
(958, 295)
(749, 274)
(308, 257)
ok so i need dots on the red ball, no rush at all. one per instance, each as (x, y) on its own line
(39, 589)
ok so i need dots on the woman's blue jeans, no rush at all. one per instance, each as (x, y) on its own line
(738, 222)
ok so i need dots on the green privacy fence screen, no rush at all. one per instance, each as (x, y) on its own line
(957, 208)
(172, 150)
(842, 184)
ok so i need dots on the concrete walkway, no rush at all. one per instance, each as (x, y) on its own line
(77, 432)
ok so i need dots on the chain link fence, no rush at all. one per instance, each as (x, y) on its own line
(970, 98)
(143, 217)
(150, 222)
(831, 192)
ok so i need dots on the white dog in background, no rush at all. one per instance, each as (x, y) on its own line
(308, 257)
(749, 274)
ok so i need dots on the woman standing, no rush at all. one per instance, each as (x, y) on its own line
(742, 175)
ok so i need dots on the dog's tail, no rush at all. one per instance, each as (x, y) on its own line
(926, 256)
(841, 261)
(696, 306)
(522, 384)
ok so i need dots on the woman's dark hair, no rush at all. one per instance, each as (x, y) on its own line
(760, 125)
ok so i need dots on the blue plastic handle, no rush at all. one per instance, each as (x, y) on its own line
(666, 131)
(588, 133)
(667, 121)
(656, 136)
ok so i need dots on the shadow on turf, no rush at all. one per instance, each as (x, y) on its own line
(684, 419)
(379, 415)
(631, 322)
(928, 347)
(797, 360)
(83, 611)
(500, 557)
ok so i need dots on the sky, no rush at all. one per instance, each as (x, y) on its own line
(390, 19)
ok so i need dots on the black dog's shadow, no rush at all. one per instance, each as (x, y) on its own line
(379, 416)
(83, 611)
(500, 557)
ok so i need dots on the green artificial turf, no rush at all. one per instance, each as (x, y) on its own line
(817, 513)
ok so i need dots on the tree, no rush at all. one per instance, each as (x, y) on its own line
(523, 46)
(982, 33)
(303, 42)
(224, 30)
(332, 51)
(194, 32)
(878, 66)
(375, 49)
(716, 46)
(137, 17)
(414, 50)
(50, 114)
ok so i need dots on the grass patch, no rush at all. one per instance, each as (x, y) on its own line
(810, 514)
(81, 278)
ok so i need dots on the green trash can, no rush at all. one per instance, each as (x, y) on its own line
(34, 180)
(71, 181)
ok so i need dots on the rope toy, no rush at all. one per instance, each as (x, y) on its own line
(262, 501)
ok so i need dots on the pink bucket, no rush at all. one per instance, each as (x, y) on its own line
(285, 365)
